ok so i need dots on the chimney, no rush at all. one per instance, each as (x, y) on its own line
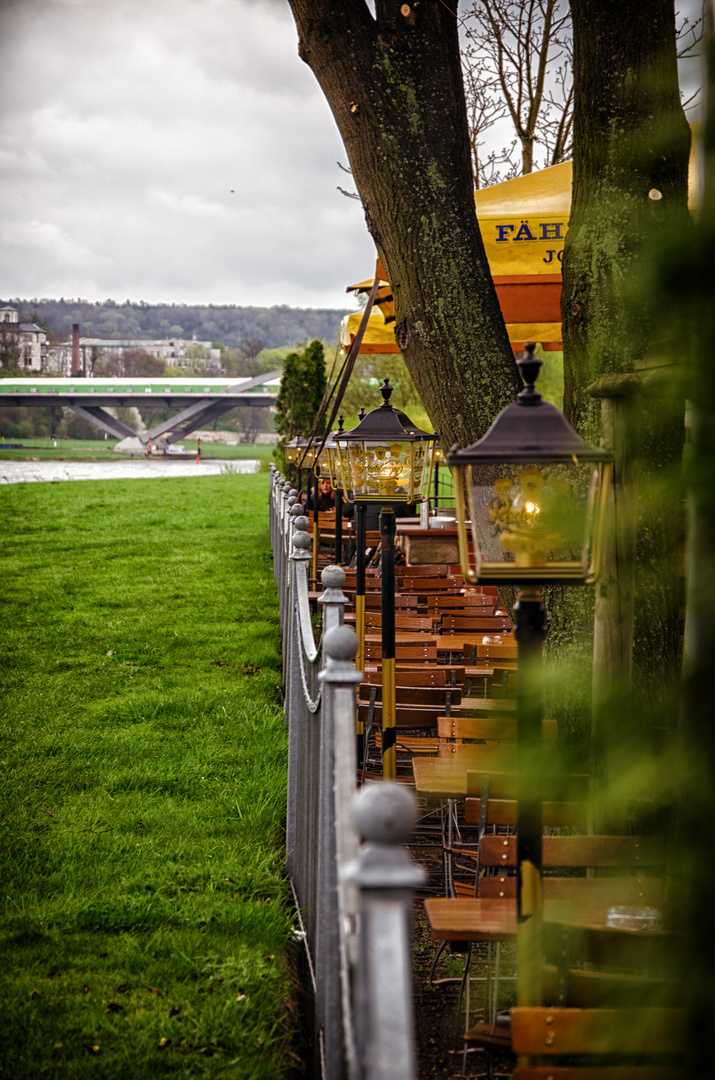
(76, 365)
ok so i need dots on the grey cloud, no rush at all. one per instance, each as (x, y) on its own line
(169, 151)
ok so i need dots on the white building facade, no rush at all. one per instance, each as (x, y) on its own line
(22, 345)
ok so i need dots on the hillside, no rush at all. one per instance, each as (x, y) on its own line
(229, 324)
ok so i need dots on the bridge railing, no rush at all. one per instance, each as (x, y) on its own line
(353, 898)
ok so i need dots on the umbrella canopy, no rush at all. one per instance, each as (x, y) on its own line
(524, 222)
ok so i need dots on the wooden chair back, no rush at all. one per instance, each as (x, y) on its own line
(466, 602)
(621, 852)
(471, 623)
(429, 696)
(424, 653)
(405, 717)
(555, 1033)
(423, 585)
(428, 676)
(417, 623)
(373, 601)
(454, 729)
(559, 815)
(496, 651)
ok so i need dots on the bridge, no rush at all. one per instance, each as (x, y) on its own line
(200, 401)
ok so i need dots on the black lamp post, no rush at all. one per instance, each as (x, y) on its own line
(386, 459)
(298, 452)
(327, 466)
(530, 502)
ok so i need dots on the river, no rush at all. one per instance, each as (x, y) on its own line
(23, 472)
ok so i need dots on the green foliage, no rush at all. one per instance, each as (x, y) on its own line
(303, 385)
(132, 363)
(363, 390)
(551, 376)
(144, 907)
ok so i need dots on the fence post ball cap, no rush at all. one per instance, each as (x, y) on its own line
(293, 491)
(340, 643)
(301, 541)
(301, 523)
(384, 813)
(333, 577)
(297, 510)
(292, 499)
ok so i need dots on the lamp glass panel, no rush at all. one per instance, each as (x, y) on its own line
(393, 471)
(536, 520)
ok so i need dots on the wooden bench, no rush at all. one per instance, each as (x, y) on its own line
(417, 707)
(611, 1005)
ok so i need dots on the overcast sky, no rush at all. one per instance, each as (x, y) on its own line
(169, 150)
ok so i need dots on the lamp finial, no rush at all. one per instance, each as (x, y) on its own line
(386, 391)
(529, 366)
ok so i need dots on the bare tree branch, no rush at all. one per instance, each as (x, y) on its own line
(514, 47)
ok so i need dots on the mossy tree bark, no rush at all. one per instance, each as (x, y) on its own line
(394, 84)
(631, 146)
(691, 286)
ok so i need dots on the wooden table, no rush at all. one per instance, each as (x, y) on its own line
(494, 919)
(441, 778)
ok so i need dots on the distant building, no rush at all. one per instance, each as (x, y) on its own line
(22, 344)
(175, 351)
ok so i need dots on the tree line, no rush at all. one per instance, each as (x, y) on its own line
(278, 326)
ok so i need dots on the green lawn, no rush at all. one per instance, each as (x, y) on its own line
(143, 754)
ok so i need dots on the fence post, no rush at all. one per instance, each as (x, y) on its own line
(339, 679)
(385, 875)
(295, 706)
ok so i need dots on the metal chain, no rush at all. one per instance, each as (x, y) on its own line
(313, 704)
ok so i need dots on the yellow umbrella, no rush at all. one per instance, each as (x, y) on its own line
(523, 222)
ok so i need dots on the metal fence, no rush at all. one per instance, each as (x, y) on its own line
(351, 875)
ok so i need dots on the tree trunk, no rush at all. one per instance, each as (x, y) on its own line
(691, 288)
(630, 139)
(394, 85)
(631, 144)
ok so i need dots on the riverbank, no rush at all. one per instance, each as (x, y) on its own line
(145, 917)
(102, 450)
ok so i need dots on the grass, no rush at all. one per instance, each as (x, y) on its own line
(44, 449)
(143, 757)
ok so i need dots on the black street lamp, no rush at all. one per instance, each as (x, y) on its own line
(299, 452)
(327, 466)
(531, 497)
(386, 459)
